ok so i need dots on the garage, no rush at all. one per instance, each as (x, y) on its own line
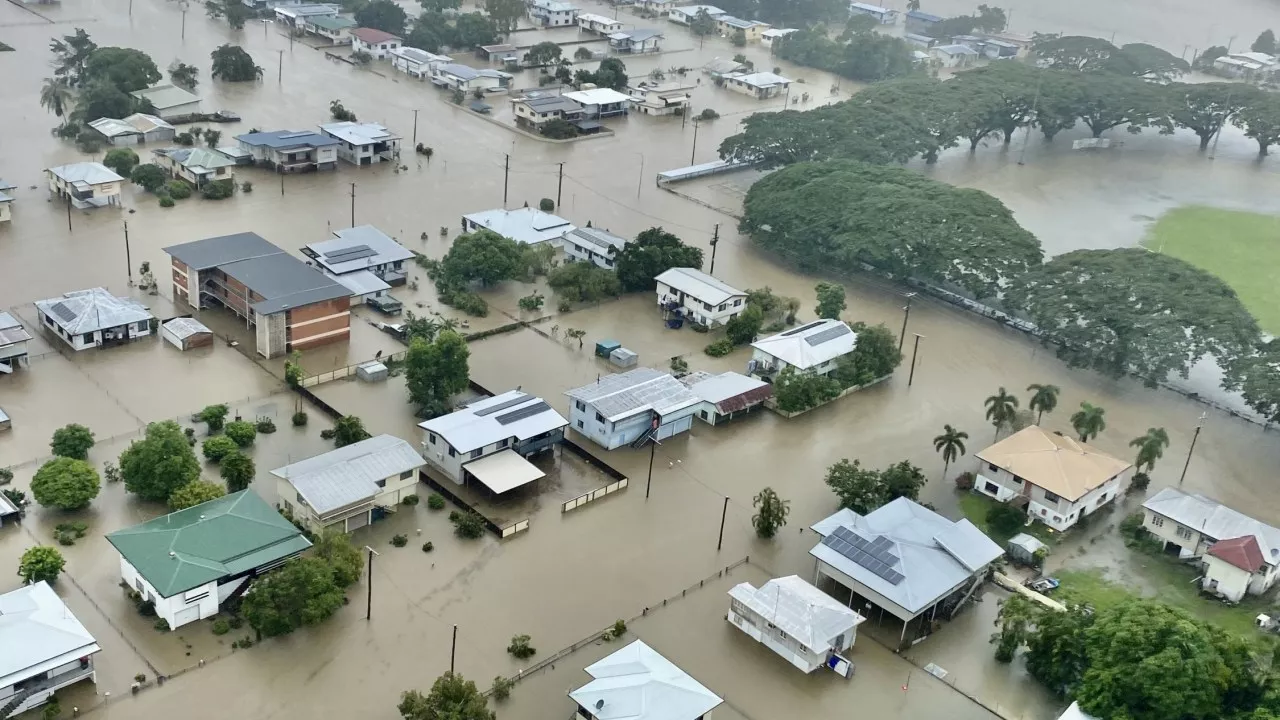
(357, 521)
(186, 615)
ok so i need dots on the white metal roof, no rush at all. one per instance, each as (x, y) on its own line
(1073, 712)
(113, 127)
(598, 19)
(422, 57)
(166, 96)
(699, 285)
(597, 96)
(601, 240)
(524, 225)
(715, 389)
(636, 683)
(357, 248)
(1215, 520)
(360, 282)
(758, 79)
(38, 633)
(691, 11)
(184, 327)
(777, 32)
(145, 123)
(512, 414)
(349, 475)
(955, 50)
(640, 390)
(85, 311)
(810, 345)
(799, 609)
(92, 173)
(359, 133)
(6, 505)
(503, 471)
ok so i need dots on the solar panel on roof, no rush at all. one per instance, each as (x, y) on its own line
(355, 252)
(502, 405)
(875, 558)
(63, 312)
(522, 413)
(827, 335)
(802, 328)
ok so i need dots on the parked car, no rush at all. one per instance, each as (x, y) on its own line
(400, 331)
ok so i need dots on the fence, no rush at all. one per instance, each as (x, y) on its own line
(493, 527)
(516, 527)
(325, 407)
(348, 371)
(594, 495)
(591, 460)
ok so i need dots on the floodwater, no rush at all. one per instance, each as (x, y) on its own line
(570, 574)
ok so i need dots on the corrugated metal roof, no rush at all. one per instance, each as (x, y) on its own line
(384, 249)
(93, 173)
(184, 327)
(38, 632)
(488, 421)
(85, 311)
(636, 683)
(640, 390)
(1214, 520)
(800, 610)
(729, 391)
(11, 331)
(524, 225)
(166, 96)
(699, 285)
(810, 345)
(349, 475)
(113, 127)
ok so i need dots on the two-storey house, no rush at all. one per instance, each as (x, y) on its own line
(632, 407)
(698, 296)
(815, 348)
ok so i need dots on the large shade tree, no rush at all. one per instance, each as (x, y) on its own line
(160, 463)
(125, 68)
(654, 252)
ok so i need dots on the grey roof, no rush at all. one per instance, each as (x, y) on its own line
(85, 311)
(601, 240)
(524, 225)
(285, 139)
(197, 159)
(640, 390)
(11, 331)
(359, 133)
(358, 248)
(419, 56)
(637, 35)
(715, 389)
(699, 285)
(184, 327)
(349, 475)
(1029, 543)
(7, 185)
(1215, 520)
(92, 173)
(166, 96)
(512, 414)
(720, 66)
(932, 554)
(38, 633)
(462, 72)
(212, 252)
(6, 505)
(955, 50)
(800, 610)
(551, 104)
(738, 22)
(114, 127)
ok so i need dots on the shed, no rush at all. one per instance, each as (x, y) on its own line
(186, 333)
(372, 372)
(623, 357)
(605, 348)
(1023, 548)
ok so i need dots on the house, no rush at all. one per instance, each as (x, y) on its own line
(535, 111)
(815, 347)
(170, 101)
(186, 333)
(298, 16)
(919, 41)
(350, 487)
(752, 30)
(13, 344)
(656, 6)
(504, 53)
(291, 305)
(5, 200)
(598, 24)
(7, 509)
(632, 407)
(1249, 65)
(636, 683)
(769, 36)
(795, 620)
(592, 245)
(921, 23)
(635, 41)
(884, 16)
(685, 15)
(334, 28)
(189, 562)
(1240, 554)
(363, 143)
(417, 63)
(1057, 478)
(469, 79)
(719, 67)
(667, 98)
(527, 226)
(904, 559)
(489, 440)
(952, 56)
(43, 648)
(136, 129)
(1073, 712)
(600, 103)
(372, 41)
(361, 248)
(85, 184)
(999, 49)
(699, 296)
(289, 151)
(725, 396)
(91, 318)
(552, 13)
(269, 4)
(759, 85)
(197, 166)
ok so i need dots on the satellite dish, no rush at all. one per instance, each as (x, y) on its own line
(600, 703)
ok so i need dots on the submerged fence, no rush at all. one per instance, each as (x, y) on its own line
(594, 495)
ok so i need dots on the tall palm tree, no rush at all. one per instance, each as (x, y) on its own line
(1001, 409)
(951, 444)
(55, 96)
(1088, 421)
(1150, 448)
(1044, 398)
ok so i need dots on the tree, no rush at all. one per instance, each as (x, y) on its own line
(1005, 520)
(1017, 615)
(863, 490)
(384, 15)
(211, 138)
(743, 327)
(1266, 43)
(864, 55)
(1260, 120)
(840, 215)
(654, 252)
(951, 444)
(163, 461)
(214, 416)
(232, 64)
(344, 559)
(151, 177)
(452, 697)
(796, 391)
(1055, 650)
(55, 96)
(99, 99)
(1133, 311)
(875, 355)
(1150, 62)
(558, 129)
(121, 160)
(194, 493)
(802, 13)
(739, 38)
(505, 13)
(1001, 409)
(702, 24)
(71, 53)
(1204, 108)
(483, 256)
(1113, 100)
(584, 282)
(612, 73)
(1150, 448)
(348, 430)
(235, 12)
(830, 300)
(1088, 421)
(544, 53)
(127, 69)
(439, 6)
(301, 592)
(1044, 398)
(65, 483)
(1073, 52)
(435, 371)
(474, 30)
(184, 75)
(771, 513)
(237, 470)
(1256, 375)
(40, 564)
(218, 447)
(72, 441)
(243, 433)
(901, 479)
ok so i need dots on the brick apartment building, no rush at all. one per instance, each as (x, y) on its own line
(291, 305)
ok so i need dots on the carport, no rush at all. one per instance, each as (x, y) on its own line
(503, 471)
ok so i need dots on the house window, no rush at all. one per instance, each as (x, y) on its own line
(503, 443)
(1043, 512)
(1050, 497)
(1184, 533)
(599, 418)
(722, 307)
(431, 438)
(579, 424)
(992, 488)
(452, 452)
(1157, 521)
(406, 474)
(88, 337)
(476, 453)
(707, 306)
(992, 468)
(380, 483)
(1017, 480)
(580, 405)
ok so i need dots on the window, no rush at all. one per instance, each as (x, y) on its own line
(707, 306)
(452, 452)
(476, 453)
(992, 468)
(599, 418)
(1043, 512)
(991, 488)
(88, 337)
(580, 405)
(722, 307)
(431, 438)
(1017, 480)
(503, 442)
(1157, 521)
(380, 483)
(137, 582)
(406, 474)
(579, 424)
(1050, 497)
(1184, 533)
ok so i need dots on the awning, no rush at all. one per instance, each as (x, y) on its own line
(503, 471)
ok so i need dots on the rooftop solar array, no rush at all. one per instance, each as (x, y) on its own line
(64, 312)
(802, 328)
(501, 406)
(355, 252)
(830, 333)
(874, 555)
(522, 413)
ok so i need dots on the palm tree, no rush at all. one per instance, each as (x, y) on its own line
(1088, 421)
(1150, 448)
(951, 444)
(55, 96)
(1001, 408)
(1044, 398)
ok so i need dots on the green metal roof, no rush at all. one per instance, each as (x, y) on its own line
(220, 538)
(331, 24)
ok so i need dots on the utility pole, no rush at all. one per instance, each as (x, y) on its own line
(906, 315)
(353, 204)
(506, 175)
(279, 65)
(184, 20)
(453, 650)
(415, 129)
(723, 513)
(693, 153)
(715, 240)
(1196, 436)
(559, 185)
(368, 611)
(653, 448)
(130, 8)
(69, 209)
(639, 180)
(281, 183)
(1213, 151)
(128, 257)
(911, 378)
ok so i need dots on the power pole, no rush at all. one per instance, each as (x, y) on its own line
(453, 650)
(415, 129)
(353, 204)
(906, 315)
(693, 153)
(506, 175)
(69, 209)
(559, 185)
(128, 258)
(184, 20)
(911, 378)
(653, 448)
(723, 513)
(279, 65)
(1192, 449)
(640, 180)
(281, 183)
(715, 240)
(368, 611)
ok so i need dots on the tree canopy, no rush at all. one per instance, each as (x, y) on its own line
(1257, 376)
(435, 371)
(452, 697)
(1204, 108)
(40, 564)
(349, 429)
(65, 483)
(300, 592)
(125, 68)
(232, 64)
(1260, 120)
(584, 282)
(71, 53)
(654, 252)
(72, 441)
(612, 73)
(344, 559)
(237, 470)
(384, 15)
(863, 489)
(482, 256)
(194, 493)
(864, 56)
(506, 13)
(160, 463)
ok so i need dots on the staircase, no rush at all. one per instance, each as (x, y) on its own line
(7, 709)
(645, 437)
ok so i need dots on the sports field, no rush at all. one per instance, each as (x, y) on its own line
(1242, 248)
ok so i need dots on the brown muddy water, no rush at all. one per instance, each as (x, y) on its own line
(570, 574)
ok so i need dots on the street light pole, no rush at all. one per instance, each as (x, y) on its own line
(693, 153)
(1196, 436)
(415, 129)
(128, 258)
(911, 378)
(906, 315)
(723, 513)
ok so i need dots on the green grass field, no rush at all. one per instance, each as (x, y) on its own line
(1241, 248)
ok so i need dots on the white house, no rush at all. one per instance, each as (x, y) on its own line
(666, 98)
(768, 37)
(952, 56)
(468, 79)
(656, 6)
(727, 395)
(13, 344)
(298, 16)
(592, 245)
(1241, 555)
(334, 28)
(699, 296)
(5, 201)
(198, 166)
(43, 648)
(759, 85)
(85, 184)
(636, 683)
(598, 24)
(1058, 479)
(352, 486)
(552, 13)
(363, 143)
(815, 347)
(135, 129)
(527, 226)
(359, 249)
(904, 559)
(189, 562)
(489, 440)
(884, 16)
(632, 407)
(536, 109)
(686, 14)
(378, 43)
(795, 620)
(635, 41)
(170, 101)
(291, 150)
(90, 318)
(417, 63)
(719, 67)
(599, 103)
